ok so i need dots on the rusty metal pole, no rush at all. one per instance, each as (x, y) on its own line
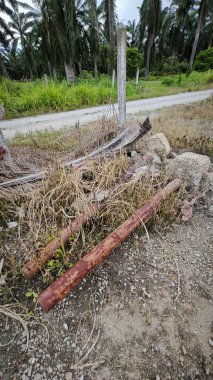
(66, 283)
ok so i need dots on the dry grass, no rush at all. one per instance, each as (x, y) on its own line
(188, 127)
(63, 195)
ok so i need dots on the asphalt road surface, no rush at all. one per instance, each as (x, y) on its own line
(56, 121)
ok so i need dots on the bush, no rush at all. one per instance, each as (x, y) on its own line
(167, 81)
(204, 60)
(133, 60)
(172, 65)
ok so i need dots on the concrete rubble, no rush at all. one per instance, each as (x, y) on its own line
(190, 167)
(194, 169)
(158, 144)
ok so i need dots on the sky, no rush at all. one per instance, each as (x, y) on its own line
(126, 9)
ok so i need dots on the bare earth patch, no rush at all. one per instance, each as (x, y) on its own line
(146, 312)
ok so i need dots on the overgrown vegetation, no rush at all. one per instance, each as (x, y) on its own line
(62, 38)
(29, 98)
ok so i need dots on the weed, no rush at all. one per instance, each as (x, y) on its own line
(33, 295)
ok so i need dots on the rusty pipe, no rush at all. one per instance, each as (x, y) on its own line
(34, 265)
(60, 288)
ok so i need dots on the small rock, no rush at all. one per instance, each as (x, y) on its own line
(184, 350)
(68, 376)
(37, 376)
(157, 377)
(207, 371)
(29, 373)
(152, 159)
(211, 342)
(65, 326)
(12, 225)
(210, 210)
(102, 195)
(137, 158)
(24, 377)
(134, 154)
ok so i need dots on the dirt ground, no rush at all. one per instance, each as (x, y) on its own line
(145, 314)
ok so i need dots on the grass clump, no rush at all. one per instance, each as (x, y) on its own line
(188, 127)
(64, 194)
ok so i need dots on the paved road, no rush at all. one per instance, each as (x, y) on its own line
(56, 121)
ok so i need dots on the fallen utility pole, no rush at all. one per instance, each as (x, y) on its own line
(125, 138)
(33, 266)
(66, 283)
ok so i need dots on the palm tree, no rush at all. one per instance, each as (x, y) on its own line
(60, 29)
(5, 32)
(204, 5)
(149, 23)
(94, 33)
(109, 16)
(132, 33)
(23, 28)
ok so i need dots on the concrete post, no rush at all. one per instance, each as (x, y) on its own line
(4, 151)
(121, 73)
(137, 76)
(113, 78)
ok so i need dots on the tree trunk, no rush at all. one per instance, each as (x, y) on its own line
(49, 67)
(3, 68)
(111, 35)
(151, 37)
(70, 75)
(149, 48)
(79, 67)
(95, 67)
(54, 73)
(198, 31)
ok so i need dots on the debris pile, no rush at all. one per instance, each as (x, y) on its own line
(154, 158)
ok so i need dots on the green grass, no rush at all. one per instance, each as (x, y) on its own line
(37, 97)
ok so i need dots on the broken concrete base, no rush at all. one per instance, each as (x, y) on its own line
(159, 145)
(203, 161)
(190, 167)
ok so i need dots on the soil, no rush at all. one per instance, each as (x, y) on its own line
(145, 313)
